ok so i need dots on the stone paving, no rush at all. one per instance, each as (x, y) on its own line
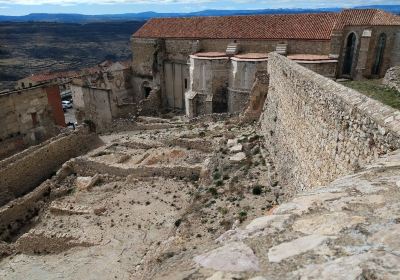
(346, 230)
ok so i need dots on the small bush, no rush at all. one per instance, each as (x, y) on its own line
(242, 216)
(213, 191)
(256, 150)
(257, 190)
(223, 210)
(178, 222)
(216, 175)
(219, 183)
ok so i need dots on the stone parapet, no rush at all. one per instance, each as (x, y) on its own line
(318, 129)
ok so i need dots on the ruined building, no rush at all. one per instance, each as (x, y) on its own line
(29, 116)
(308, 191)
(209, 64)
(104, 95)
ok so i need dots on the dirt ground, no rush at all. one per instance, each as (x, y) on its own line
(144, 198)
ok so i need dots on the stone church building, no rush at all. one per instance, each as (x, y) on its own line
(209, 64)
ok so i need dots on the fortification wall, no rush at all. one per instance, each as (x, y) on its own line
(318, 130)
(23, 172)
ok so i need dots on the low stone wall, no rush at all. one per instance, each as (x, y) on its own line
(23, 172)
(85, 167)
(318, 130)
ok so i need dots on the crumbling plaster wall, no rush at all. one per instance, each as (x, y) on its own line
(317, 130)
(208, 86)
(93, 104)
(241, 80)
(16, 109)
(28, 117)
(23, 172)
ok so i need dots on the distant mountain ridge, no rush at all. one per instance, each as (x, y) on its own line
(80, 18)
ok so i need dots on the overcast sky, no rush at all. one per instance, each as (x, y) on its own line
(93, 7)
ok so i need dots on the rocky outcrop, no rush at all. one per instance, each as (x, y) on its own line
(392, 78)
(346, 230)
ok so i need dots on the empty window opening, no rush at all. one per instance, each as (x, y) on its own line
(186, 83)
(34, 119)
(147, 91)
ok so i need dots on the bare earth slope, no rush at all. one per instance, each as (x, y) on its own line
(173, 200)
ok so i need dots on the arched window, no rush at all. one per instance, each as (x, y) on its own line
(380, 49)
(349, 54)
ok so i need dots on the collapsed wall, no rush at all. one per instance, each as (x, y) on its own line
(318, 129)
(24, 171)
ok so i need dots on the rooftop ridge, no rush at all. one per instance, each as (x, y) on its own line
(307, 26)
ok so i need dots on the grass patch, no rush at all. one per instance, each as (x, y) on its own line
(377, 91)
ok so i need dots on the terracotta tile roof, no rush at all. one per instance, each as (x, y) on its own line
(316, 26)
(210, 54)
(291, 26)
(45, 77)
(368, 17)
(90, 70)
(308, 57)
(41, 77)
(252, 56)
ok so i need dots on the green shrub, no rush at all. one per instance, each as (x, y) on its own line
(242, 216)
(257, 190)
(213, 191)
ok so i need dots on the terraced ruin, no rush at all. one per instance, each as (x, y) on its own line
(215, 197)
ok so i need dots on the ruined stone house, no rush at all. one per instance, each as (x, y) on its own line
(100, 96)
(209, 64)
(28, 117)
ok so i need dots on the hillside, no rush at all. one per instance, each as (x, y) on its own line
(81, 18)
(30, 47)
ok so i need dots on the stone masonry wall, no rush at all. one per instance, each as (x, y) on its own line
(318, 130)
(23, 172)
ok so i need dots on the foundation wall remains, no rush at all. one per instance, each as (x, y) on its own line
(318, 130)
(24, 171)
